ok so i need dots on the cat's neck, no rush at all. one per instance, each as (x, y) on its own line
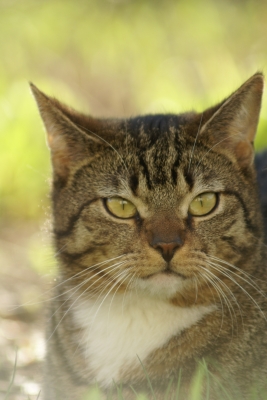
(122, 329)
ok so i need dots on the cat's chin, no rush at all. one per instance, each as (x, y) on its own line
(162, 284)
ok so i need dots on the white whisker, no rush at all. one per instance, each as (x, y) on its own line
(192, 152)
(213, 284)
(126, 289)
(76, 289)
(219, 282)
(123, 280)
(249, 281)
(115, 278)
(241, 287)
(80, 273)
(228, 289)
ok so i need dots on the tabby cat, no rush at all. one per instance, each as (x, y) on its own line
(162, 263)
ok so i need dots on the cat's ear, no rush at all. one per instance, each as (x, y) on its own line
(66, 137)
(232, 127)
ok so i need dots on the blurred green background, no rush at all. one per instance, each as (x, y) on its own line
(113, 58)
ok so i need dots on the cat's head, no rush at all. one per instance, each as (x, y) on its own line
(160, 204)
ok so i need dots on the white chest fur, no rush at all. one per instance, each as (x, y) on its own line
(118, 330)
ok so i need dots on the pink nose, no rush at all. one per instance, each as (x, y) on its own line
(167, 250)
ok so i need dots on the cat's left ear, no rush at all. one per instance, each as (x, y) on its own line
(233, 126)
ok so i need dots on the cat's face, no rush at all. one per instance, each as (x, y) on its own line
(157, 204)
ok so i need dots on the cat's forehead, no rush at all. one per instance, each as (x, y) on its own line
(155, 158)
(152, 148)
(156, 140)
(150, 130)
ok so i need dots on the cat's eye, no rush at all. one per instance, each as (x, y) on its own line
(120, 207)
(203, 204)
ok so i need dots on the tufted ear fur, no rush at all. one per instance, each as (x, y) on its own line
(71, 135)
(232, 126)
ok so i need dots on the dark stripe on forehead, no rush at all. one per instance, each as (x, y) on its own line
(177, 161)
(145, 172)
(160, 132)
(134, 182)
(174, 169)
(159, 124)
(189, 179)
(153, 126)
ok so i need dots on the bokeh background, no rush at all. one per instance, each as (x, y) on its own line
(107, 58)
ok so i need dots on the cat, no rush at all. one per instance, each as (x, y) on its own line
(160, 244)
(261, 169)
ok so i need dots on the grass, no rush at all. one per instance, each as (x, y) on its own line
(200, 389)
(202, 378)
(12, 379)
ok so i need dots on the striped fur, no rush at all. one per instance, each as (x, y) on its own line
(119, 305)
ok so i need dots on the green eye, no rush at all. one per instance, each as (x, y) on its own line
(203, 204)
(120, 207)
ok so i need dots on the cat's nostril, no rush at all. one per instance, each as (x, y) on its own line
(168, 249)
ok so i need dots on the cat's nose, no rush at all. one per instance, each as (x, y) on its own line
(167, 250)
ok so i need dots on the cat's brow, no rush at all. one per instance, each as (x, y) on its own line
(110, 145)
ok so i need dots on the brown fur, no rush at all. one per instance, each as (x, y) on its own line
(158, 162)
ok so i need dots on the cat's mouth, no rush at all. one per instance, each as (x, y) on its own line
(165, 283)
(167, 273)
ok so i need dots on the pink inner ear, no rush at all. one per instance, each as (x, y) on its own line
(59, 153)
(244, 153)
(50, 140)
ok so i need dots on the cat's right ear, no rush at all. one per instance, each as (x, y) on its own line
(68, 142)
